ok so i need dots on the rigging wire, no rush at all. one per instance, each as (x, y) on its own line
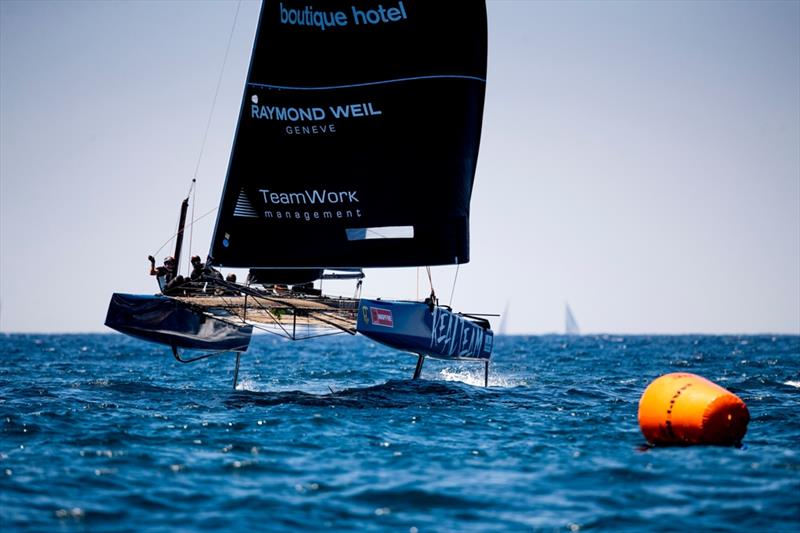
(216, 92)
(198, 219)
(455, 278)
(430, 280)
(192, 189)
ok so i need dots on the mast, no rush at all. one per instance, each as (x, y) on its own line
(179, 237)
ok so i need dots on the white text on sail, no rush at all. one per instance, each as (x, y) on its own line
(309, 197)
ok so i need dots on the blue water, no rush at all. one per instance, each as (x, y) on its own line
(107, 433)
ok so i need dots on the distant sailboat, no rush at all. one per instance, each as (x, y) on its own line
(571, 325)
(504, 321)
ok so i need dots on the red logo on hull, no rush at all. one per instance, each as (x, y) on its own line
(382, 317)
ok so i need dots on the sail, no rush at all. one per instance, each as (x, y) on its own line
(504, 320)
(358, 136)
(571, 325)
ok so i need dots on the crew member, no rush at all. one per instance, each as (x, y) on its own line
(202, 270)
(165, 275)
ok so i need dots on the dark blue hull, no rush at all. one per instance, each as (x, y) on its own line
(166, 321)
(416, 327)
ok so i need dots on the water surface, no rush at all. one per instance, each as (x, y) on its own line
(107, 433)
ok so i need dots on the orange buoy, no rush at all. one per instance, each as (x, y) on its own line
(683, 408)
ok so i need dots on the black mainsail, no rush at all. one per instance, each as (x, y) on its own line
(358, 136)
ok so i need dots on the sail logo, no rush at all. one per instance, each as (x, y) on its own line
(243, 207)
(291, 114)
(323, 20)
(381, 317)
(313, 114)
(355, 110)
(309, 197)
(312, 120)
(309, 205)
(308, 17)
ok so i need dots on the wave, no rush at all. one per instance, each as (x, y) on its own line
(475, 377)
(392, 394)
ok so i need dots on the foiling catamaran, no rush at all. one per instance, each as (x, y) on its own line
(356, 147)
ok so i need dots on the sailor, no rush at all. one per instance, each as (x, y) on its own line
(197, 268)
(164, 274)
(202, 270)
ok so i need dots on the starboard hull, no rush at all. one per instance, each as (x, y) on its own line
(430, 331)
(167, 321)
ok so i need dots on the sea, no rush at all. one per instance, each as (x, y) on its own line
(107, 433)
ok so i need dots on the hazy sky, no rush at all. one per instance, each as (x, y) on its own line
(639, 160)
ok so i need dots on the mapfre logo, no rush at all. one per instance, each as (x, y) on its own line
(382, 317)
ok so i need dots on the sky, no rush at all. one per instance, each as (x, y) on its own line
(639, 160)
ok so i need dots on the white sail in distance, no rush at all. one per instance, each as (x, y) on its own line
(570, 324)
